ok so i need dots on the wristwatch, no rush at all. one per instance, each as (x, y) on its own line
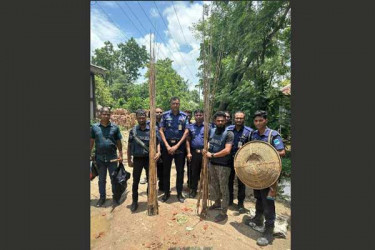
(213, 155)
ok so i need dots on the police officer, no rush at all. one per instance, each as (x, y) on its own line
(173, 132)
(265, 198)
(194, 146)
(159, 113)
(188, 163)
(241, 133)
(138, 147)
(188, 114)
(106, 137)
(220, 145)
(228, 119)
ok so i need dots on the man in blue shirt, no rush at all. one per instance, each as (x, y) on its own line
(228, 119)
(173, 132)
(194, 146)
(138, 147)
(106, 137)
(265, 198)
(241, 133)
(159, 113)
(188, 163)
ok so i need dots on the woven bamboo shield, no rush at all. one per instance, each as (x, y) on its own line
(257, 164)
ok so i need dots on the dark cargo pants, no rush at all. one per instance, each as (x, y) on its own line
(219, 177)
(265, 206)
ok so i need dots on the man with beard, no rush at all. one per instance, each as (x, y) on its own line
(220, 145)
(173, 132)
(194, 146)
(241, 133)
(138, 147)
(107, 139)
(265, 198)
(228, 119)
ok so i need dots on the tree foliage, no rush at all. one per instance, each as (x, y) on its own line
(123, 65)
(250, 44)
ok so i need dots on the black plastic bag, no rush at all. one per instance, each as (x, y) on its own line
(120, 178)
(93, 170)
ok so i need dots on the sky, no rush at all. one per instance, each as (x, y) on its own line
(170, 21)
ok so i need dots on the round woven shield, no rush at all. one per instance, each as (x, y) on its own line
(257, 164)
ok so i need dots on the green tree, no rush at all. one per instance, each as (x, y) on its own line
(169, 83)
(132, 57)
(251, 46)
(102, 93)
(123, 66)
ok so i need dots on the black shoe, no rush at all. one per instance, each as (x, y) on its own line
(193, 193)
(221, 217)
(241, 208)
(165, 197)
(266, 238)
(134, 206)
(215, 206)
(116, 202)
(100, 202)
(180, 198)
(257, 220)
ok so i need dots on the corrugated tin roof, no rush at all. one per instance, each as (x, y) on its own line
(97, 69)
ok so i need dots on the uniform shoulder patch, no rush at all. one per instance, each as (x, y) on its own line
(275, 133)
(276, 141)
(230, 127)
(248, 128)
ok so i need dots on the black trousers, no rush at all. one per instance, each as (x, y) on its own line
(139, 163)
(159, 167)
(241, 187)
(196, 167)
(179, 159)
(189, 172)
(265, 206)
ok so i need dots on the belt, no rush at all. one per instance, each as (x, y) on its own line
(198, 151)
(173, 140)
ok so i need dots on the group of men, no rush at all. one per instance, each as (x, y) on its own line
(183, 142)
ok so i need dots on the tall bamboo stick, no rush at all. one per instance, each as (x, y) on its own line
(203, 189)
(152, 201)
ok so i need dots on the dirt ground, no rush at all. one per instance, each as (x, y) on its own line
(176, 226)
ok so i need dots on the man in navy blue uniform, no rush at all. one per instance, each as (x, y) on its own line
(106, 137)
(188, 163)
(265, 198)
(173, 132)
(159, 113)
(241, 133)
(194, 146)
(228, 119)
(138, 147)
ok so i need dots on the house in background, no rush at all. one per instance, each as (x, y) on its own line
(94, 70)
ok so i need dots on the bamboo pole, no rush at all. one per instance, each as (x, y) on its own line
(152, 201)
(203, 189)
